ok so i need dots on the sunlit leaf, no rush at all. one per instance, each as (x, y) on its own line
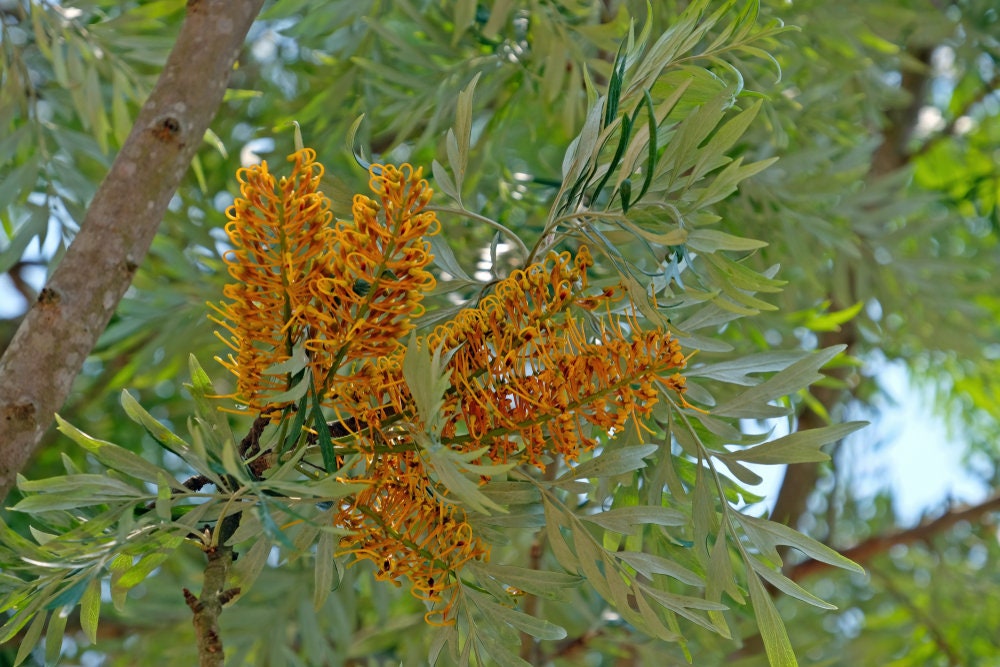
(797, 447)
(779, 649)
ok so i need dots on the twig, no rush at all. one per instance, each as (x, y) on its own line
(514, 238)
(214, 595)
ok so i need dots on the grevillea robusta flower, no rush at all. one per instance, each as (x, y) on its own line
(534, 369)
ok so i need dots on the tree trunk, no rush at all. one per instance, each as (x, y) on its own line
(63, 325)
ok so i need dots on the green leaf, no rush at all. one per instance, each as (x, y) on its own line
(711, 240)
(495, 651)
(723, 140)
(323, 437)
(609, 463)
(441, 463)
(33, 227)
(234, 465)
(752, 404)
(590, 556)
(787, 586)
(776, 533)
(213, 423)
(90, 609)
(832, 321)
(23, 615)
(30, 638)
(543, 583)
(798, 447)
(252, 562)
(324, 575)
(165, 437)
(738, 371)
(650, 168)
(653, 623)
(554, 518)
(649, 564)
(300, 387)
(136, 574)
(54, 634)
(70, 491)
(460, 140)
(731, 276)
(84, 483)
(729, 178)
(443, 636)
(70, 595)
(444, 182)
(511, 493)
(20, 182)
(428, 379)
(295, 432)
(271, 528)
(615, 84)
(445, 258)
(720, 579)
(163, 498)
(772, 630)
(350, 139)
(292, 365)
(117, 458)
(249, 528)
(536, 627)
(624, 519)
(581, 151)
(22, 546)
(119, 565)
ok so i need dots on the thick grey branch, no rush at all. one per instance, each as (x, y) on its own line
(59, 331)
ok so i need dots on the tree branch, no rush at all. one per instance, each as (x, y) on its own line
(214, 595)
(59, 331)
(870, 548)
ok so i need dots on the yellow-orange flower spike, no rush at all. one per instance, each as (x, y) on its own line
(279, 231)
(528, 379)
(376, 267)
(402, 527)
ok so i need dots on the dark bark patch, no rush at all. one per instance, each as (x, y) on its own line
(48, 296)
(167, 129)
(21, 413)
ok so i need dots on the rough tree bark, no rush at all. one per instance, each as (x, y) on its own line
(63, 325)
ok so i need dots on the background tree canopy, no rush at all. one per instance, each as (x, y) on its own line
(784, 187)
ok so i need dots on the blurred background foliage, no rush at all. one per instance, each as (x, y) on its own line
(882, 213)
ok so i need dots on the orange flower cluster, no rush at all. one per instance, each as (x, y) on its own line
(342, 292)
(532, 373)
(401, 525)
(530, 380)
(377, 273)
(279, 254)
(527, 381)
